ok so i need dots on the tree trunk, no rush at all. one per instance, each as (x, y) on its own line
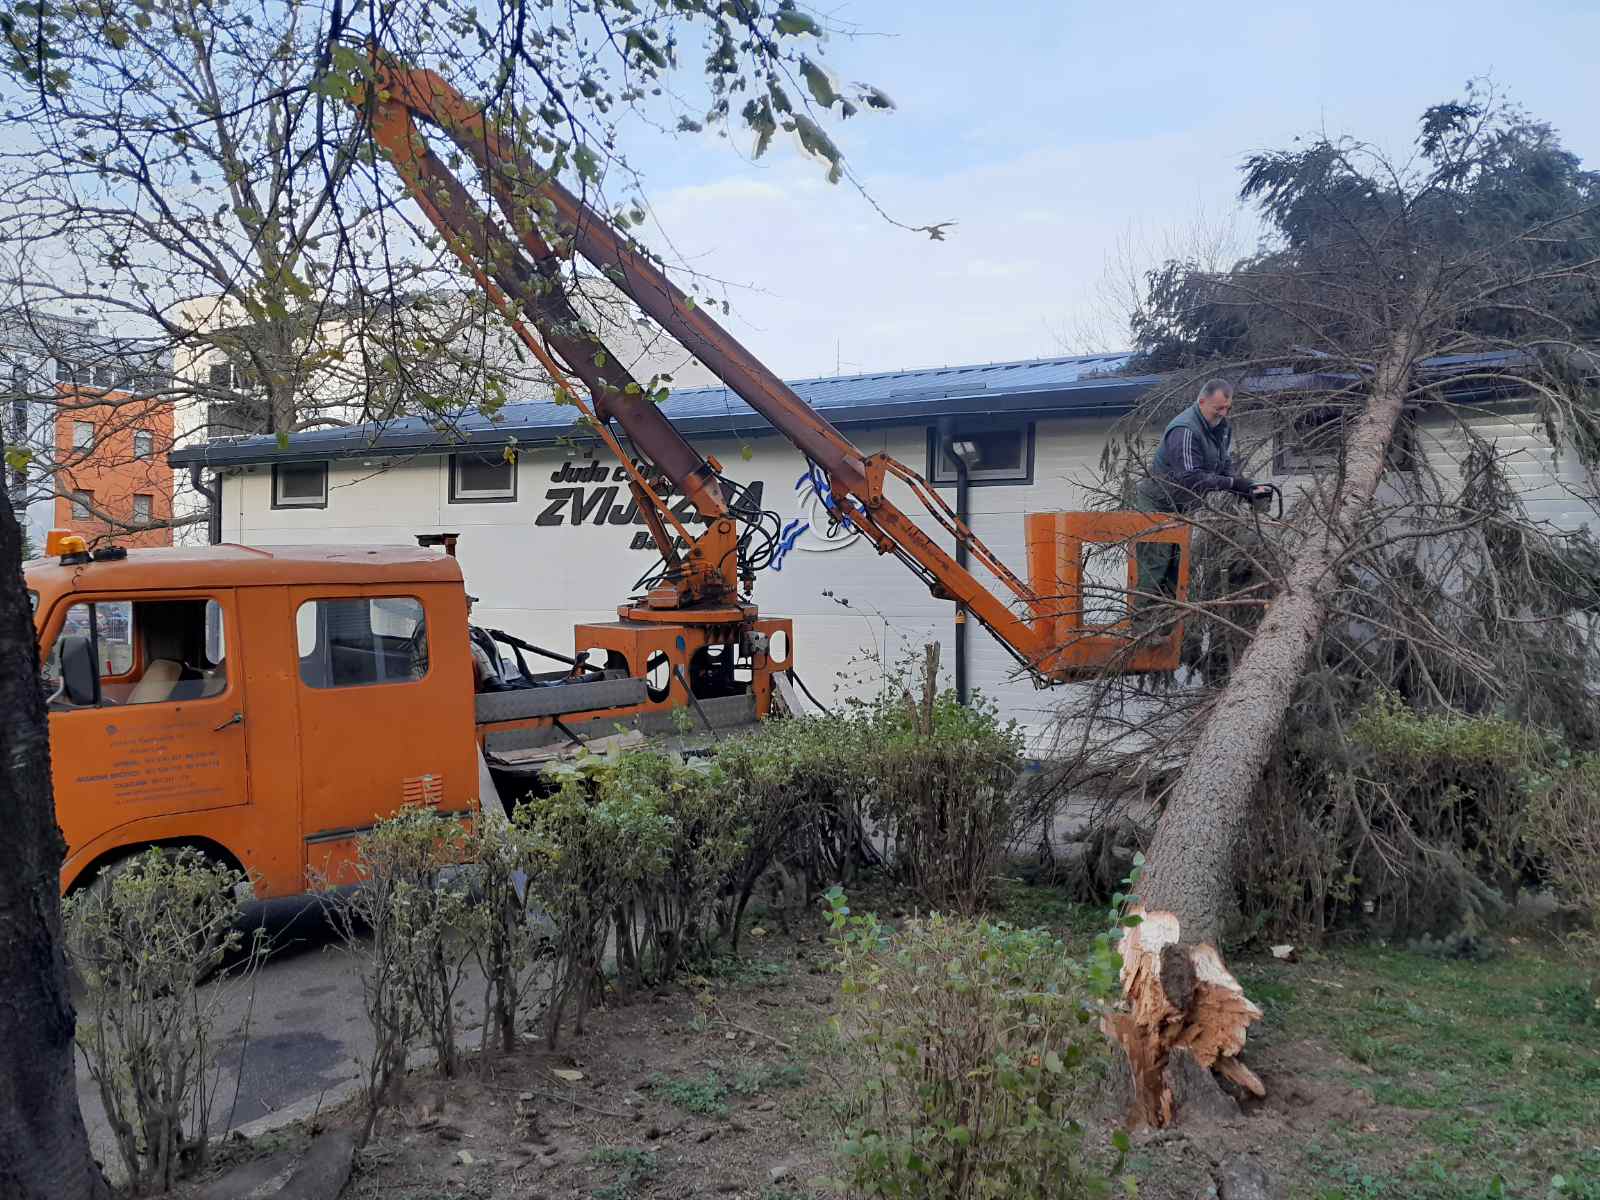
(44, 1148)
(1179, 995)
(1190, 869)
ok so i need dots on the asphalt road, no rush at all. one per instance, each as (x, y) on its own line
(291, 1031)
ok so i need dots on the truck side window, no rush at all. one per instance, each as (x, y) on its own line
(148, 651)
(355, 641)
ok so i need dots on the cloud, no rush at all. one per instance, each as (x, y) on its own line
(822, 282)
(1058, 137)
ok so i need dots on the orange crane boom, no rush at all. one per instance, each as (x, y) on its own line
(1039, 621)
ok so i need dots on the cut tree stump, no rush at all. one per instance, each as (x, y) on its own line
(1179, 996)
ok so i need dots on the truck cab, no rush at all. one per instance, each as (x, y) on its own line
(263, 705)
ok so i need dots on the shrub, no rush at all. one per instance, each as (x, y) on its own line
(142, 938)
(942, 776)
(505, 933)
(407, 928)
(798, 787)
(594, 846)
(975, 1049)
(669, 915)
(1564, 830)
(1405, 822)
(420, 916)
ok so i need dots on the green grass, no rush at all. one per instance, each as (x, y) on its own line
(707, 1095)
(632, 1167)
(761, 1077)
(1494, 1063)
(749, 972)
(1497, 1058)
(1033, 906)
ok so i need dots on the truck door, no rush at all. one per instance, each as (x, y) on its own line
(385, 721)
(146, 703)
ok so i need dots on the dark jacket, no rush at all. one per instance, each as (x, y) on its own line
(1194, 458)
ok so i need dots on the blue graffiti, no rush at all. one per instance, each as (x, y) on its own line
(812, 486)
(792, 532)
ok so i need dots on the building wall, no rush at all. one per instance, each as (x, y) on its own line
(29, 343)
(111, 470)
(561, 553)
(335, 391)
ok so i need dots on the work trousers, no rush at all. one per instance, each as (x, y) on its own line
(1157, 562)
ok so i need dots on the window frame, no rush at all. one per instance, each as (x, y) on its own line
(952, 430)
(86, 503)
(318, 648)
(458, 495)
(87, 443)
(279, 502)
(149, 508)
(148, 437)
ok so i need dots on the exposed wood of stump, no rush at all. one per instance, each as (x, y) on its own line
(1178, 996)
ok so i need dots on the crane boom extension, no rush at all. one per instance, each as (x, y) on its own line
(530, 287)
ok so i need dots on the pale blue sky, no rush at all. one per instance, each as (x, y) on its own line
(1064, 139)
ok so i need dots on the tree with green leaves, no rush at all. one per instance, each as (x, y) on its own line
(190, 171)
(190, 168)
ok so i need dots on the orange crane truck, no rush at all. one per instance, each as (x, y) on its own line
(269, 705)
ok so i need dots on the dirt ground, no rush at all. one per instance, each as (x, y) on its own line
(1389, 1075)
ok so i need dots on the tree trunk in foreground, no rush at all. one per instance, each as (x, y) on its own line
(1188, 881)
(44, 1148)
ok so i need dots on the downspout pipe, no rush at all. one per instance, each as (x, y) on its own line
(962, 511)
(213, 497)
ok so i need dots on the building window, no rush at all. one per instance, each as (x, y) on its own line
(81, 502)
(68, 371)
(992, 453)
(104, 376)
(144, 443)
(358, 641)
(481, 477)
(300, 485)
(19, 419)
(83, 435)
(224, 374)
(141, 509)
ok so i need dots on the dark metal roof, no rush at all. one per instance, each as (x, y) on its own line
(1044, 387)
(1083, 385)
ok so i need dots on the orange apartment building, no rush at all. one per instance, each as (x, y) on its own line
(112, 473)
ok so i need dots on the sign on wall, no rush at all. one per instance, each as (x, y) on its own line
(595, 493)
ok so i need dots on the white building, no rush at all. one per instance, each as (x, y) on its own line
(221, 396)
(552, 540)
